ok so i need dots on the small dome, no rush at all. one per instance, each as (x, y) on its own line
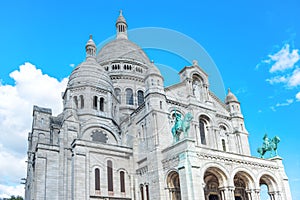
(90, 72)
(122, 49)
(230, 97)
(90, 42)
(153, 70)
(121, 18)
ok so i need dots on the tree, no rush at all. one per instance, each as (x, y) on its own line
(14, 198)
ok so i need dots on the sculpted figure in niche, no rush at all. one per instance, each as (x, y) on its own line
(196, 89)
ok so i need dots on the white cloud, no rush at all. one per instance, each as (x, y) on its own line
(31, 87)
(283, 59)
(284, 63)
(286, 103)
(8, 191)
(294, 80)
(277, 79)
(298, 96)
(72, 65)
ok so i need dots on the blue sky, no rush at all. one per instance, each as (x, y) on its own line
(254, 44)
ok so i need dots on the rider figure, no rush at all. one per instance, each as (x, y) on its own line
(178, 120)
(266, 142)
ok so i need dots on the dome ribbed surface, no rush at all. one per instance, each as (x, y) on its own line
(89, 72)
(230, 97)
(122, 49)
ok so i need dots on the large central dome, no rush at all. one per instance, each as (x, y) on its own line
(121, 48)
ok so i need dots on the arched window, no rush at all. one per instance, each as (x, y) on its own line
(203, 122)
(122, 181)
(174, 186)
(223, 145)
(95, 102)
(129, 96)
(97, 179)
(147, 192)
(142, 192)
(75, 101)
(140, 97)
(102, 104)
(118, 94)
(110, 176)
(202, 131)
(81, 101)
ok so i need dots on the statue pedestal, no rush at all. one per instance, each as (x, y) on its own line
(276, 158)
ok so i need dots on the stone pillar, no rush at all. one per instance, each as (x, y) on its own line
(271, 194)
(98, 104)
(79, 175)
(231, 193)
(144, 192)
(190, 178)
(249, 194)
(222, 191)
(257, 194)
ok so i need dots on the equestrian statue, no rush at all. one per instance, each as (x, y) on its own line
(269, 145)
(181, 125)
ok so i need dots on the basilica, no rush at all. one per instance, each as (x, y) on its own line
(123, 135)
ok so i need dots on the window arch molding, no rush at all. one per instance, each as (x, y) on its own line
(118, 92)
(122, 184)
(172, 114)
(204, 122)
(99, 103)
(199, 76)
(140, 96)
(96, 178)
(129, 96)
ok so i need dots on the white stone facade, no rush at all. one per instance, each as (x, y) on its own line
(113, 139)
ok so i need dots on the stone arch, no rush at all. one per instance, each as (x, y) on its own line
(173, 185)
(247, 174)
(220, 172)
(88, 131)
(211, 118)
(123, 183)
(118, 94)
(200, 76)
(214, 179)
(172, 111)
(243, 182)
(204, 123)
(269, 180)
(129, 96)
(140, 97)
(223, 135)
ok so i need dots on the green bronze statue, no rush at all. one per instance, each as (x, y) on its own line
(181, 125)
(269, 145)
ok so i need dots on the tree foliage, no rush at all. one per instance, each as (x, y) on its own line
(15, 198)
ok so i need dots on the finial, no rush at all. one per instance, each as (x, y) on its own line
(195, 63)
(121, 26)
(90, 48)
(228, 90)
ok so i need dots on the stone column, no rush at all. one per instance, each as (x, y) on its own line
(222, 191)
(271, 194)
(98, 104)
(249, 194)
(190, 178)
(230, 193)
(257, 194)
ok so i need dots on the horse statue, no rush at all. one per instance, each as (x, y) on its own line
(269, 145)
(181, 125)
